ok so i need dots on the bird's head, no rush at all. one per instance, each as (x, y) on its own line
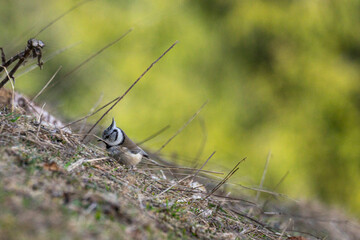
(113, 136)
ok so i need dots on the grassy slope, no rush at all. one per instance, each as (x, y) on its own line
(42, 199)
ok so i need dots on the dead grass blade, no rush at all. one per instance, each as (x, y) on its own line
(222, 197)
(182, 128)
(203, 166)
(61, 16)
(281, 180)
(12, 88)
(114, 100)
(91, 111)
(261, 182)
(251, 219)
(225, 178)
(12, 93)
(182, 168)
(91, 114)
(128, 90)
(154, 135)
(284, 230)
(276, 194)
(40, 119)
(81, 161)
(173, 185)
(97, 53)
(312, 218)
(263, 176)
(46, 85)
(274, 189)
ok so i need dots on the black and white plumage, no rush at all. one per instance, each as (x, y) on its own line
(121, 147)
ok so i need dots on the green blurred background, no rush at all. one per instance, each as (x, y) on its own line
(279, 75)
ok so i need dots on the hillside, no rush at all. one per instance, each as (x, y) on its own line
(53, 186)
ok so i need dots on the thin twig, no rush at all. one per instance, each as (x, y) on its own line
(61, 16)
(48, 58)
(97, 53)
(46, 85)
(128, 90)
(27, 51)
(203, 166)
(154, 135)
(10, 60)
(12, 72)
(12, 87)
(182, 128)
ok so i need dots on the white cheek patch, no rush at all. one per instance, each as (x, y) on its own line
(119, 139)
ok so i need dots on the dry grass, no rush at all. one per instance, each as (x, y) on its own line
(45, 194)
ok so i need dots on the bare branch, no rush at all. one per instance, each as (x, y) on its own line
(48, 58)
(128, 90)
(12, 72)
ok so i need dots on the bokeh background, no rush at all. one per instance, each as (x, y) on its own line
(280, 76)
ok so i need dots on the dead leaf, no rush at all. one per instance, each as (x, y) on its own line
(52, 166)
(297, 238)
(98, 167)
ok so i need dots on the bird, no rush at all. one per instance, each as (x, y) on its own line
(121, 147)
